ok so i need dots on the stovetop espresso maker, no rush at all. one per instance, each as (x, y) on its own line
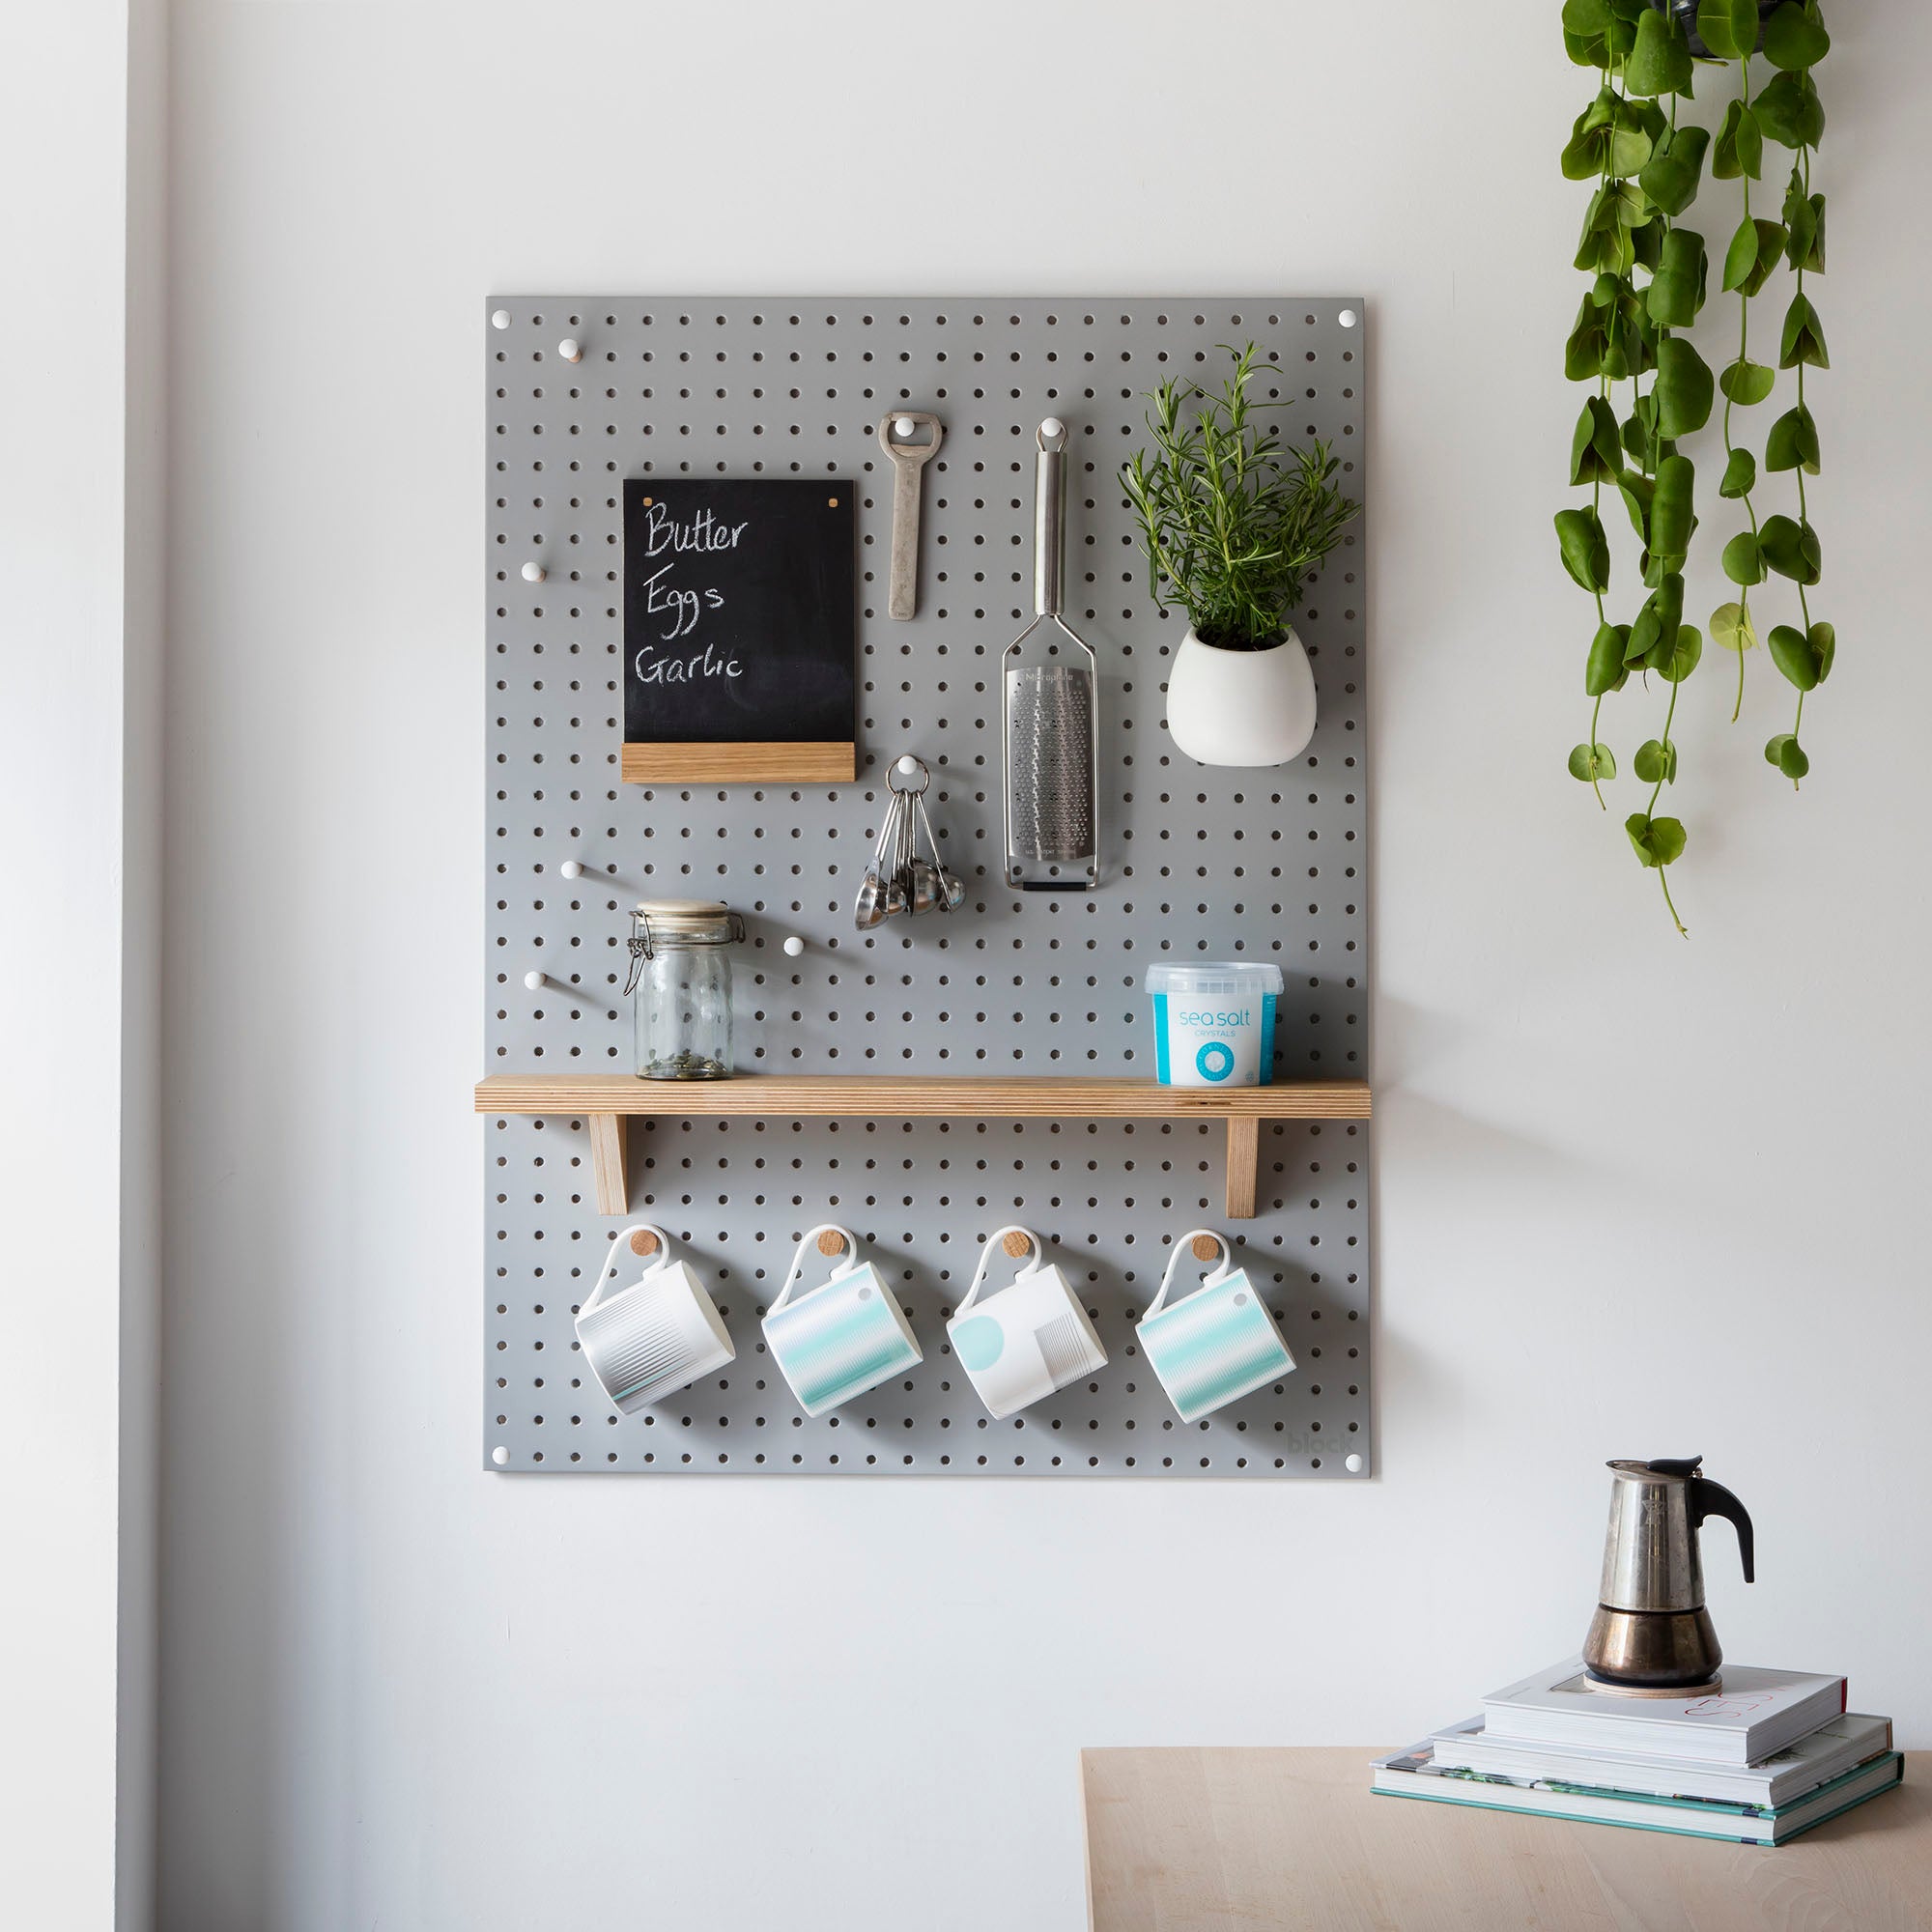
(1651, 1631)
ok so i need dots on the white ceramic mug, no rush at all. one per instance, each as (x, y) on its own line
(843, 1337)
(1216, 1344)
(654, 1334)
(1027, 1338)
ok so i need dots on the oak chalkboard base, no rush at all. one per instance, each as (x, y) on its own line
(828, 763)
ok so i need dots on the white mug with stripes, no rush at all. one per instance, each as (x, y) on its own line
(654, 1334)
(1027, 1338)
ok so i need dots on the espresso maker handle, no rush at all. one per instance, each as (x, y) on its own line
(1708, 1499)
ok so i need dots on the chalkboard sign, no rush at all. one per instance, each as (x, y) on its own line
(739, 629)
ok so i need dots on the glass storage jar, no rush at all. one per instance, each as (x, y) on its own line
(681, 980)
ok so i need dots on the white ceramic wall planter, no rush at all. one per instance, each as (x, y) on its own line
(1240, 707)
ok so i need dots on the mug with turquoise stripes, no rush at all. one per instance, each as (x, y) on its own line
(843, 1337)
(1216, 1344)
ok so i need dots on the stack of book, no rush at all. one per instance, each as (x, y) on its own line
(1765, 1756)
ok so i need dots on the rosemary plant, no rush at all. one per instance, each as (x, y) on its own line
(1232, 523)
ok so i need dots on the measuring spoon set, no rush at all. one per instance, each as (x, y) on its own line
(898, 879)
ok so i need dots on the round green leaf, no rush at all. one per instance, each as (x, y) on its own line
(1684, 389)
(1670, 177)
(1791, 652)
(1656, 841)
(1739, 475)
(1587, 25)
(1675, 664)
(1738, 149)
(1752, 254)
(1746, 383)
(1790, 111)
(1792, 37)
(1585, 548)
(1744, 561)
(1661, 61)
(1728, 27)
(1595, 456)
(1676, 291)
(1656, 762)
(1732, 628)
(1791, 549)
(1785, 752)
(1591, 762)
(1604, 668)
(1671, 517)
(1803, 338)
(1823, 638)
(1793, 442)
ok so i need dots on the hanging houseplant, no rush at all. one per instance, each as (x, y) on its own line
(1233, 526)
(1646, 168)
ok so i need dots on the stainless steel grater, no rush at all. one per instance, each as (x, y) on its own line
(1050, 714)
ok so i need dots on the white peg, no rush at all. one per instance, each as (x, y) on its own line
(1348, 318)
(534, 572)
(500, 318)
(1053, 426)
(570, 348)
(501, 1456)
(904, 426)
(572, 868)
(907, 767)
(794, 946)
(1353, 1465)
(536, 981)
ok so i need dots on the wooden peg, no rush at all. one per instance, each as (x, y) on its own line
(1206, 1247)
(832, 1242)
(643, 1243)
(610, 1141)
(1244, 1156)
(1017, 1243)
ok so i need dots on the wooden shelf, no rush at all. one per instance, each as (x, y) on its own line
(609, 1101)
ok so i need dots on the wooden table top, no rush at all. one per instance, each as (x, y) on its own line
(1249, 1840)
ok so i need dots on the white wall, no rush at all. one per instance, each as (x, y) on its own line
(1633, 1196)
(79, 647)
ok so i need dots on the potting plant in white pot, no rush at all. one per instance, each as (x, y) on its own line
(1233, 525)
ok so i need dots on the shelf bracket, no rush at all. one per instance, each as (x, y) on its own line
(610, 1144)
(1244, 1159)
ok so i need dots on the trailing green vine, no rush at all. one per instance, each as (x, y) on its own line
(1646, 167)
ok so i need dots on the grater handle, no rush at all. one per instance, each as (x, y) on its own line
(1049, 514)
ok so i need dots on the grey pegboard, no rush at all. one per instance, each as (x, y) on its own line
(1196, 863)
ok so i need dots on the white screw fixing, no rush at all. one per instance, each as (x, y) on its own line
(500, 318)
(570, 348)
(1353, 1465)
(499, 1456)
(1348, 318)
(534, 572)
(536, 981)
(794, 946)
(572, 868)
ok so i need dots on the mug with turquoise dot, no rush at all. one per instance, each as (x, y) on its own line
(1027, 1338)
